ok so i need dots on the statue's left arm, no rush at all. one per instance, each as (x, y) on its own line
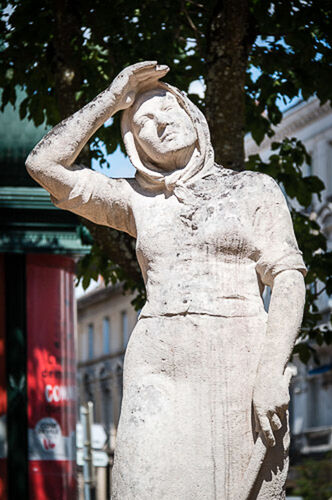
(271, 391)
(280, 266)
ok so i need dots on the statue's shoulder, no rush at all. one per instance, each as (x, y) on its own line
(249, 179)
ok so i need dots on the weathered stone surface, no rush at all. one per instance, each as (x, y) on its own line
(205, 385)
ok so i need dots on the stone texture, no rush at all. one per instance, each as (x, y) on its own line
(204, 412)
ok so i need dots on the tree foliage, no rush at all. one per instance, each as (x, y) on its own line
(252, 55)
(314, 480)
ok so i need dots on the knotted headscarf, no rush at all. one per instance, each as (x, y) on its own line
(148, 175)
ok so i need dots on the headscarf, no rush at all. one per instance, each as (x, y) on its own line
(152, 178)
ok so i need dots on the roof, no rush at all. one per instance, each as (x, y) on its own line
(29, 222)
(99, 294)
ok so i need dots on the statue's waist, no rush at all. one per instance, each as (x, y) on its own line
(168, 304)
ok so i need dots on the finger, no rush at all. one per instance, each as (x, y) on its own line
(275, 422)
(162, 67)
(143, 65)
(154, 73)
(289, 373)
(267, 430)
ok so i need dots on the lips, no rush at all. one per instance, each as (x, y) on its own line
(168, 135)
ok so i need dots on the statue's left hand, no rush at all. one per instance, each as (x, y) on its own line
(270, 400)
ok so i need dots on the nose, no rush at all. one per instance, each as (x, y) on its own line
(161, 128)
(163, 121)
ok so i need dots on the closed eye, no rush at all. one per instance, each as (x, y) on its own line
(145, 119)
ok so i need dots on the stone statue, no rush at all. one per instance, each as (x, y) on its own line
(204, 411)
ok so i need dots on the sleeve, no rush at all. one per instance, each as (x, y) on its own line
(100, 199)
(277, 248)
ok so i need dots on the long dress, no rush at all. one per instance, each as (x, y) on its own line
(186, 427)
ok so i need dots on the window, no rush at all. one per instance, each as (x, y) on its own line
(90, 341)
(106, 336)
(106, 400)
(124, 328)
(313, 408)
(87, 388)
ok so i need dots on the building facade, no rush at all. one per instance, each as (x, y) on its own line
(105, 319)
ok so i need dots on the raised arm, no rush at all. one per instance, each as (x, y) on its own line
(51, 162)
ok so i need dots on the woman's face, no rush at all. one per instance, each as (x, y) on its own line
(163, 129)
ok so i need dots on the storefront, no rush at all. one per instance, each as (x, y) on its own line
(38, 248)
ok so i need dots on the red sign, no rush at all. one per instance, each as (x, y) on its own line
(3, 389)
(51, 377)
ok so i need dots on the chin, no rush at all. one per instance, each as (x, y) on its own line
(170, 155)
(172, 147)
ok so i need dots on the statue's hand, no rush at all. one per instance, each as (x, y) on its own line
(270, 400)
(132, 79)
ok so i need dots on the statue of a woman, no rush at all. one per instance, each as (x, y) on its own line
(205, 388)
